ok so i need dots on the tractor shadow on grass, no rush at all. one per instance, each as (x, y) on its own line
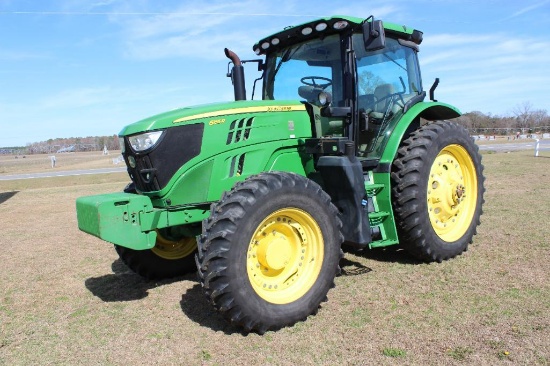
(125, 285)
(391, 254)
(353, 268)
(195, 306)
(4, 196)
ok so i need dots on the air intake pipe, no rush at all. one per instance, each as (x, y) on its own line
(237, 75)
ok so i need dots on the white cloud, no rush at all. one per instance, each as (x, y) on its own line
(200, 30)
(491, 73)
(194, 29)
(528, 9)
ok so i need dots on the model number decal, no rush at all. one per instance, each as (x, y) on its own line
(258, 109)
(216, 121)
(279, 109)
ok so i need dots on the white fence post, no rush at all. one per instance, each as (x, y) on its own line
(537, 148)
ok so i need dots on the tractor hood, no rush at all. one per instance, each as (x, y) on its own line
(209, 113)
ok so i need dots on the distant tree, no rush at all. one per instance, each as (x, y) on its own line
(368, 82)
(524, 115)
(475, 121)
(540, 118)
(100, 142)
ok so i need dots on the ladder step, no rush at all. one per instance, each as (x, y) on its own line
(376, 218)
(373, 189)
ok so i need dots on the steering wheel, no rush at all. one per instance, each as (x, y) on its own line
(328, 82)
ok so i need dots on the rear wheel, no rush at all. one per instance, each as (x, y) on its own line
(437, 191)
(269, 251)
(168, 258)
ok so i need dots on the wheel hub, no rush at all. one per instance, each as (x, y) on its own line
(169, 249)
(452, 179)
(274, 252)
(285, 256)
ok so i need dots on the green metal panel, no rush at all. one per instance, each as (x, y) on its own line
(212, 114)
(255, 159)
(189, 187)
(291, 161)
(116, 218)
(129, 219)
(248, 138)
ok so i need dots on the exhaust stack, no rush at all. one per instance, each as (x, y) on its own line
(237, 75)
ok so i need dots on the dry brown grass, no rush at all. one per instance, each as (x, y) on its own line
(65, 298)
(10, 164)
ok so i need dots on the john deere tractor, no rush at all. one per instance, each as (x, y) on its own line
(258, 196)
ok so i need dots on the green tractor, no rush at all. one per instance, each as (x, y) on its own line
(259, 196)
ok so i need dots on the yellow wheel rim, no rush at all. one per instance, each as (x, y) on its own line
(173, 250)
(452, 193)
(285, 256)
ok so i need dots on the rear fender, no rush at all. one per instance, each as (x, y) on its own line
(382, 175)
(432, 111)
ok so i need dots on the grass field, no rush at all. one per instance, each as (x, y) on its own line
(65, 297)
(10, 164)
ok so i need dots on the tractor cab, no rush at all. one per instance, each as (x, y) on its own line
(356, 76)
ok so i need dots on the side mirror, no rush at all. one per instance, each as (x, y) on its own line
(373, 34)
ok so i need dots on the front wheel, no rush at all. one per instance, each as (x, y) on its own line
(437, 191)
(269, 251)
(170, 257)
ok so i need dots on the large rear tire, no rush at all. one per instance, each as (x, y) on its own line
(167, 259)
(437, 191)
(269, 251)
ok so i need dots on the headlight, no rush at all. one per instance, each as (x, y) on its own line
(144, 141)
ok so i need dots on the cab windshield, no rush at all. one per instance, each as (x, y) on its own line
(386, 78)
(303, 70)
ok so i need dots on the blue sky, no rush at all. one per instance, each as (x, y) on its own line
(75, 68)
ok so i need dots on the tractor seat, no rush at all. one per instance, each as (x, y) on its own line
(382, 100)
(365, 102)
(377, 104)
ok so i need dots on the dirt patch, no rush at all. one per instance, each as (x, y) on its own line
(65, 297)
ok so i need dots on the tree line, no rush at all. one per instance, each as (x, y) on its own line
(524, 118)
(70, 144)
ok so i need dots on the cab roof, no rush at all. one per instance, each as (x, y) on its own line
(327, 26)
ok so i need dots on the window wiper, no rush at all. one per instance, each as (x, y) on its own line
(286, 56)
(392, 60)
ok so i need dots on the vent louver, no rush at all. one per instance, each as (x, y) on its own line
(239, 130)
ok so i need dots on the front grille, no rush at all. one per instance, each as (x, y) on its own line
(154, 168)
